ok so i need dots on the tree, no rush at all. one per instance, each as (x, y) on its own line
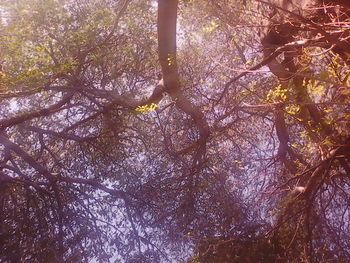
(102, 161)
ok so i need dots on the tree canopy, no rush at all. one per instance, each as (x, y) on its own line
(174, 131)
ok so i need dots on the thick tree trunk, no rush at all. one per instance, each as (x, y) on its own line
(167, 18)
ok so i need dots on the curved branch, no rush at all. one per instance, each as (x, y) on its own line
(56, 177)
(167, 17)
(32, 115)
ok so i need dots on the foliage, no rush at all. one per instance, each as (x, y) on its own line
(241, 155)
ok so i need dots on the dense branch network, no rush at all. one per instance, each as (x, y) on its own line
(99, 160)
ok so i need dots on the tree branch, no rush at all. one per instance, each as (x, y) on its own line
(167, 17)
(32, 115)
